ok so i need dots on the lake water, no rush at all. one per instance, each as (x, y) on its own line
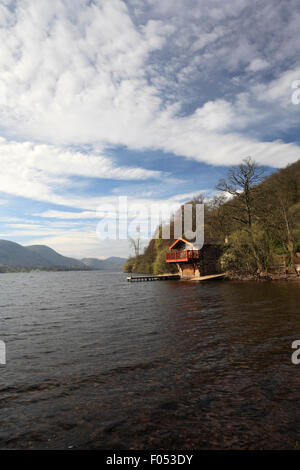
(96, 362)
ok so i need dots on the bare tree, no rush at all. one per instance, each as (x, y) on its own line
(136, 245)
(277, 215)
(216, 216)
(240, 184)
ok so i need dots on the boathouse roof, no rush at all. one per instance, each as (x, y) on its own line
(179, 242)
(193, 246)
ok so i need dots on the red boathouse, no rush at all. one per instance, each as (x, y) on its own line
(193, 262)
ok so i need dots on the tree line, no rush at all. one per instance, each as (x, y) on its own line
(259, 214)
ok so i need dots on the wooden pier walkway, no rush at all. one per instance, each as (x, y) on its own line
(208, 277)
(159, 277)
(171, 277)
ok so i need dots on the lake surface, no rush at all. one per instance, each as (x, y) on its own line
(96, 362)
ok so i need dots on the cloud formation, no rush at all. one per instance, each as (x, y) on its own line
(103, 73)
(42, 171)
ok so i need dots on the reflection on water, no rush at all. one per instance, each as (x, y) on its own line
(96, 362)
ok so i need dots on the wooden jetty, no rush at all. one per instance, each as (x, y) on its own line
(208, 278)
(173, 277)
(159, 277)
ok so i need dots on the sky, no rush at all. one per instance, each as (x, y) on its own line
(151, 100)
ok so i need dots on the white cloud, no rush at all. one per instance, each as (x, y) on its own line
(278, 91)
(257, 65)
(68, 215)
(115, 203)
(63, 235)
(61, 161)
(63, 76)
(83, 73)
(84, 245)
(38, 171)
(207, 38)
(71, 241)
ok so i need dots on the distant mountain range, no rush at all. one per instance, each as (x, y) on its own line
(109, 264)
(15, 257)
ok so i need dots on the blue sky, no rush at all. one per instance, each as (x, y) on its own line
(149, 99)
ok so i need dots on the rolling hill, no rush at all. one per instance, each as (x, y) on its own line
(110, 264)
(54, 259)
(15, 257)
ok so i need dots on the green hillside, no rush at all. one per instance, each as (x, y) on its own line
(15, 257)
(54, 259)
(152, 261)
(262, 219)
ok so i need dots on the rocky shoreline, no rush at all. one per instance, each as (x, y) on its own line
(276, 276)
